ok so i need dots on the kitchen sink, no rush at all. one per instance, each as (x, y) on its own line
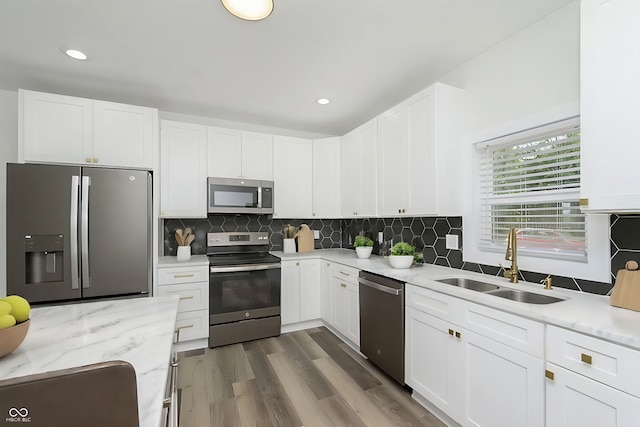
(524, 296)
(474, 285)
(491, 289)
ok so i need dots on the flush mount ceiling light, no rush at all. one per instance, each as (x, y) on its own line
(251, 10)
(76, 54)
(323, 101)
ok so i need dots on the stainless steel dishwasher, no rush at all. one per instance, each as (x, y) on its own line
(382, 323)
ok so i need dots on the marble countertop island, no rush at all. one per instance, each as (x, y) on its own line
(139, 331)
(580, 311)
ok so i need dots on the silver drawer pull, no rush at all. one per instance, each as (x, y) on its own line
(181, 276)
(346, 274)
(188, 297)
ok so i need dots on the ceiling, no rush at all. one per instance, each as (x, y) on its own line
(193, 57)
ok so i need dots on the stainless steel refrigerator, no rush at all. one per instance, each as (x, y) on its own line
(77, 233)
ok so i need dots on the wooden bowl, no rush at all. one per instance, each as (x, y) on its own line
(11, 338)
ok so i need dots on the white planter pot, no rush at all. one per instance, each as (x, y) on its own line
(401, 261)
(364, 251)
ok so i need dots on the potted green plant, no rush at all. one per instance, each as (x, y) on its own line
(363, 245)
(402, 255)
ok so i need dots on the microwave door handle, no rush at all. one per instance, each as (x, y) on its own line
(86, 183)
(73, 232)
(260, 196)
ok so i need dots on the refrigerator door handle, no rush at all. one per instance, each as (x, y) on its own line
(73, 232)
(86, 183)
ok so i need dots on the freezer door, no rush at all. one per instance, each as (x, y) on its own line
(42, 234)
(115, 232)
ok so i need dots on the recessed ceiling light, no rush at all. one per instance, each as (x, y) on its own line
(76, 54)
(323, 101)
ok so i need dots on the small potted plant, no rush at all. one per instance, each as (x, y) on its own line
(402, 255)
(364, 246)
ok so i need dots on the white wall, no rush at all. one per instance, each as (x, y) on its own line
(8, 153)
(527, 80)
(526, 75)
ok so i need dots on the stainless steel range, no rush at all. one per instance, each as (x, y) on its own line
(244, 288)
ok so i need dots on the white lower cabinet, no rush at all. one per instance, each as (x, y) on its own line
(191, 284)
(504, 386)
(433, 361)
(474, 379)
(300, 291)
(590, 382)
(326, 302)
(575, 400)
(345, 302)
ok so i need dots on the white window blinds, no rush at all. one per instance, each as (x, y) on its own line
(531, 181)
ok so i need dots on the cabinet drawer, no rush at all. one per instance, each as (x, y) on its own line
(348, 274)
(433, 303)
(192, 325)
(603, 361)
(175, 275)
(193, 296)
(514, 331)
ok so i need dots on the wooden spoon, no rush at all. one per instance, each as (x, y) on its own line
(187, 233)
(189, 240)
(179, 237)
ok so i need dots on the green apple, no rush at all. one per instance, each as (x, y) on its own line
(5, 308)
(20, 307)
(7, 321)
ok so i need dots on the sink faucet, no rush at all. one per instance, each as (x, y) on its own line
(512, 255)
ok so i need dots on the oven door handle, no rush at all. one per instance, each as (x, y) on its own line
(379, 287)
(238, 268)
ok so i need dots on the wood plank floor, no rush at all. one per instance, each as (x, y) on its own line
(306, 378)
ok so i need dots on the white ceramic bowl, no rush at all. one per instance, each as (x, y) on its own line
(364, 251)
(401, 261)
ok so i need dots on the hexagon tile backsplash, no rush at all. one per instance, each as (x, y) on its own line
(426, 233)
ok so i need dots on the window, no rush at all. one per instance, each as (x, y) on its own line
(531, 181)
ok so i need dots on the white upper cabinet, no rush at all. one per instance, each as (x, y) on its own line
(358, 178)
(124, 135)
(292, 176)
(417, 148)
(326, 178)
(392, 162)
(224, 153)
(183, 170)
(56, 128)
(257, 156)
(609, 104)
(239, 154)
(64, 129)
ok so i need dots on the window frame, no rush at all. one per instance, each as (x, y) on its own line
(596, 267)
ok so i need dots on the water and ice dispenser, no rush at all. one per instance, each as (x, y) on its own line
(44, 258)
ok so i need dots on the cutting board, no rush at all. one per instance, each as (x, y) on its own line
(626, 292)
(305, 238)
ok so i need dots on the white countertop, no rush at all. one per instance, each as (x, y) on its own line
(139, 331)
(582, 312)
(171, 261)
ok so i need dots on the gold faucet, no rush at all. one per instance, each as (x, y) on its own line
(512, 255)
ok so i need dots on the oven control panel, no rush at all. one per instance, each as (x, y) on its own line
(238, 238)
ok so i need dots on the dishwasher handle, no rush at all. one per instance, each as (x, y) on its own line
(379, 287)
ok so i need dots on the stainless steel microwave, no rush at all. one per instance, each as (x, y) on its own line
(230, 195)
